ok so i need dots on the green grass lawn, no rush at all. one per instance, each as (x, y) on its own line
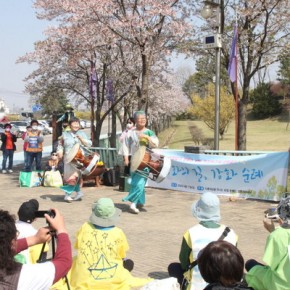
(265, 135)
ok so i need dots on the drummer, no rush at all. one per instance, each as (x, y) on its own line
(138, 136)
(72, 176)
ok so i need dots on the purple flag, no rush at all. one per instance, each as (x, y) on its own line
(232, 68)
(110, 93)
(93, 82)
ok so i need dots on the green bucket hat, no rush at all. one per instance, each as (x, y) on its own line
(104, 213)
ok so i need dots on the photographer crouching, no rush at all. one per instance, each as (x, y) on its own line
(14, 275)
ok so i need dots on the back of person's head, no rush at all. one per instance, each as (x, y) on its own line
(221, 262)
(27, 210)
(104, 213)
(8, 233)
(207, 208)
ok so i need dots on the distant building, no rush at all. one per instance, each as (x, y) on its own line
(3, 107)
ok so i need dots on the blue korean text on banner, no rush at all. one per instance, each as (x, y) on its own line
(260, 176)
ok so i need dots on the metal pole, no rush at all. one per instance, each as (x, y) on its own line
(217, 85)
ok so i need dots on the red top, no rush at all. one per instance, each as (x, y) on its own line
(9, 141)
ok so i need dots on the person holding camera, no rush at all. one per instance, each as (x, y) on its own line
(274, 274)
(14, 275)
(26, 216)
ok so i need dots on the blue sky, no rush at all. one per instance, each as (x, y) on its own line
(19, 29)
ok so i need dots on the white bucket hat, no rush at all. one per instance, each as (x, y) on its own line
(207, 208)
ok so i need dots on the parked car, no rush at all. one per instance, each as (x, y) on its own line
(83, 124)
(43, 129)
(88, 124)
(21, 125)
(1, 128)
(45, 124)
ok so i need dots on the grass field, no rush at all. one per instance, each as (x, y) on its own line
(265, 135)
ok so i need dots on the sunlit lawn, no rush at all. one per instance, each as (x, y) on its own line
(265, 135)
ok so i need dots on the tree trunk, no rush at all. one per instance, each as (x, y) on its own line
(98, 129)
(143, 98)
(242, 136)
(114, 130)
(92, 118)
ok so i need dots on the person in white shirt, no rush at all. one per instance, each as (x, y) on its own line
(14, 275)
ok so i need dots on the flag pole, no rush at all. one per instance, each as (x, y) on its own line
(237, 97)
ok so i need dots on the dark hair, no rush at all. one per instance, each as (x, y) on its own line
(7, 234)
(221, 262)
(52, 152)
(34, 121)
(7, 125)
(74, 120)
(28, 127)
(131, 119)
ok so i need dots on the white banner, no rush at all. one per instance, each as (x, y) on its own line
(261, 176)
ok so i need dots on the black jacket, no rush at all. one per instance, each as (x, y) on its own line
(4, 139)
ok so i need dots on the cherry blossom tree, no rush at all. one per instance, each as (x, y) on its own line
(119, 40)
(151, 27)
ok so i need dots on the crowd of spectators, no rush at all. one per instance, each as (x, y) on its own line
(209, 256)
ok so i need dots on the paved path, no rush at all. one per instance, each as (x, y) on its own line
(154, 236)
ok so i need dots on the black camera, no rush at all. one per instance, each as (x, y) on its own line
(41, 213)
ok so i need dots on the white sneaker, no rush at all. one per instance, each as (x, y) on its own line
(78, 196)
(133, 208)
(4, 171)
(10, 170)
(68, 198)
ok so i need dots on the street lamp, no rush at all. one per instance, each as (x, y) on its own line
(209, 10)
